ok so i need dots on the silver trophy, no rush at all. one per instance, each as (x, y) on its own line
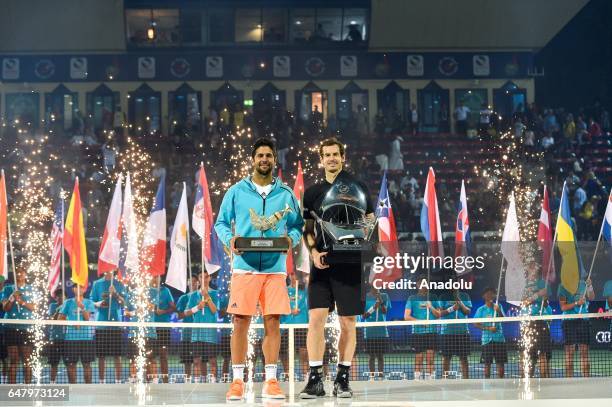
(343, 222)
(264, 244)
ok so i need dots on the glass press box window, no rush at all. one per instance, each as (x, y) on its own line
(152, 27)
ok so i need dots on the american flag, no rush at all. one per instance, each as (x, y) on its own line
(57, 234)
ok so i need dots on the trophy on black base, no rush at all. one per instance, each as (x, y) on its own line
(346, 231)
(264, 244)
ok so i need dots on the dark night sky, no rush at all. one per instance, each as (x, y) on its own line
(578, 61)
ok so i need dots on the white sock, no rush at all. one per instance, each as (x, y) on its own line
(270, 372)
(345, 363)
(315, 363)
(238, 371)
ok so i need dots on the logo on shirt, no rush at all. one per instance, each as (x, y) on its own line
(234, 305)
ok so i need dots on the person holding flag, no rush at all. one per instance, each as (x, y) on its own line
(574, 295)
(493, 340)
(18, 303)
(164, 308)
(108, 294)
(376, 338)
(258, 277)
(186, 353)
(54, 349)
(79, 340)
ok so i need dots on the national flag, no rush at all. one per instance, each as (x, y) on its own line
(515, 274)
(566, 242)
(202, 220)
(302, 258)
(606, 227)
(177, 268)
(387, 233)
(128, 259)
(289, 265)
(108, 257)
(3, 228)
(57, 234)
(462, 228)
(153, 260)
(430, 216)
(545, 239)
(74, 239)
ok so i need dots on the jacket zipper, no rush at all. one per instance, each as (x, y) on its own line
(262, 233)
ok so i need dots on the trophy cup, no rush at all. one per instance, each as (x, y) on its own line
(264, 244)
(345, 229)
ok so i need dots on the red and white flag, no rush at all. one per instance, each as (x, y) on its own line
(108, 258)
(302, 259)
(153, 258)
(545, 239)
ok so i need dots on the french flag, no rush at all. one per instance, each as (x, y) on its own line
(202, 221)
(430, 216)
(154, 245)
(462, 228)
(387, 232)
(108, 258)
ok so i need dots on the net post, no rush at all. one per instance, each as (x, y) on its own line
(291, 353)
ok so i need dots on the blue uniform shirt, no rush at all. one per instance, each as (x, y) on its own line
(489, 312)
(417, 305)
(448, 300)
(99, 292)
(584, 309)
(181, 306)
(302, 305)
(376, 316)
(165, 298)
(56, 332)
(203, 316)
(70, 310)
(150, 333)
(17, 311)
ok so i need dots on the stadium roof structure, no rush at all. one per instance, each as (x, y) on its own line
(518, 25)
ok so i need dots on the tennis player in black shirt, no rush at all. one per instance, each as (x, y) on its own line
(332, 283)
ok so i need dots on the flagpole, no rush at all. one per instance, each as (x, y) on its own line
(501, 272)
(8, 222)
(594, 256)
(204, 234)
(110, 296)
(189, 259)
(62, 249)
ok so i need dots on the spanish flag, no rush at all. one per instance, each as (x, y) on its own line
(566, 241)
(74, 238)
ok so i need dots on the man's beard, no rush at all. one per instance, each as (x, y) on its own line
(264, 173)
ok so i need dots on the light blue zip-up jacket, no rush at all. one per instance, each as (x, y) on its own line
(235, 208)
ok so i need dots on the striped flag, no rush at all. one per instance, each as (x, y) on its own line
(462, 228)
(202, 220)
(545, 239)
(387, 233)
(154, 245)
(430, 217)
(3, 228)
(74, 238)
(108, 258)
(57, 234)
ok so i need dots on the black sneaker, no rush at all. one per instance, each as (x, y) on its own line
(341, 386)
(314, 388)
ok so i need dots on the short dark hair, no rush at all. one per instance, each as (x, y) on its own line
(263, 142)
(487, 289)
(331, 141)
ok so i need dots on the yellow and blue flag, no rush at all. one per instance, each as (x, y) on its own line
(571, 264)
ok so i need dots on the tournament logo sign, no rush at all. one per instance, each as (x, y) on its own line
(180, 67)
(314, 66)
(481, 65)
(214, 67)
(448, 66)
(348, 65)
(44, 69)
(281, 66)
(78, 68)
(10, 68)
(415, 65)
(146, 67)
